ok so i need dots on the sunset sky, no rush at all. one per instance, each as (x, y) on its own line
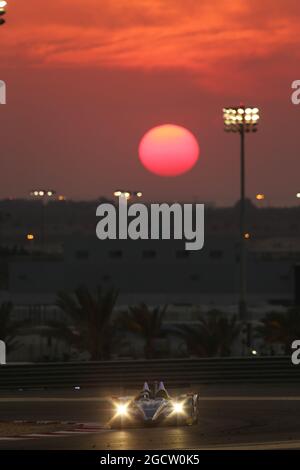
(87, 78)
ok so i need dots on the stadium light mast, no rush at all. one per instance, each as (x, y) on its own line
(44, 195)
(242, 120)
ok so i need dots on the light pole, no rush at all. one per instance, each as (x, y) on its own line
(3, 4)
(44, 195)
(242, 120)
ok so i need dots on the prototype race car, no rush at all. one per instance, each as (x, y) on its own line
(155, 407)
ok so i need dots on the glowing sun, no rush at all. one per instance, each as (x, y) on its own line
(169, 150)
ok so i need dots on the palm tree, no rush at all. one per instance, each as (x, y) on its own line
(280, 327)
(91, 328)
(213, 335)
(9, 329)
(146, 323)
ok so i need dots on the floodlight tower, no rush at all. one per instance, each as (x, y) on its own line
(242, 120)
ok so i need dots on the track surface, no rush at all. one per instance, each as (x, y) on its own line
(236, 417)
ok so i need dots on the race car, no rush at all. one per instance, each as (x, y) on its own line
(155, 407)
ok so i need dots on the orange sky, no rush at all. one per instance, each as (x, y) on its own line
(86, 79)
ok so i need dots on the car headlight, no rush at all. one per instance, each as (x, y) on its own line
(178, 407)
(121, 409)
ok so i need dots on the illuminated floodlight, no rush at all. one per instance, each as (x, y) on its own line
(241, 119)
(2, 10)
(42, 192)
(127, 194)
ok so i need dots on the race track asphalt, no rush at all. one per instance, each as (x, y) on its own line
(248, 416)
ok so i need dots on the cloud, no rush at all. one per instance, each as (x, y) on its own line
(207, 37)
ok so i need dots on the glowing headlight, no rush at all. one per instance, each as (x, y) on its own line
(121, 409)
(178, 408)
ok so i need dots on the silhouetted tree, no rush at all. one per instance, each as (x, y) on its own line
(146, 323)
(91, 325)
(212, 335)
(9, 329)
(280, 328)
